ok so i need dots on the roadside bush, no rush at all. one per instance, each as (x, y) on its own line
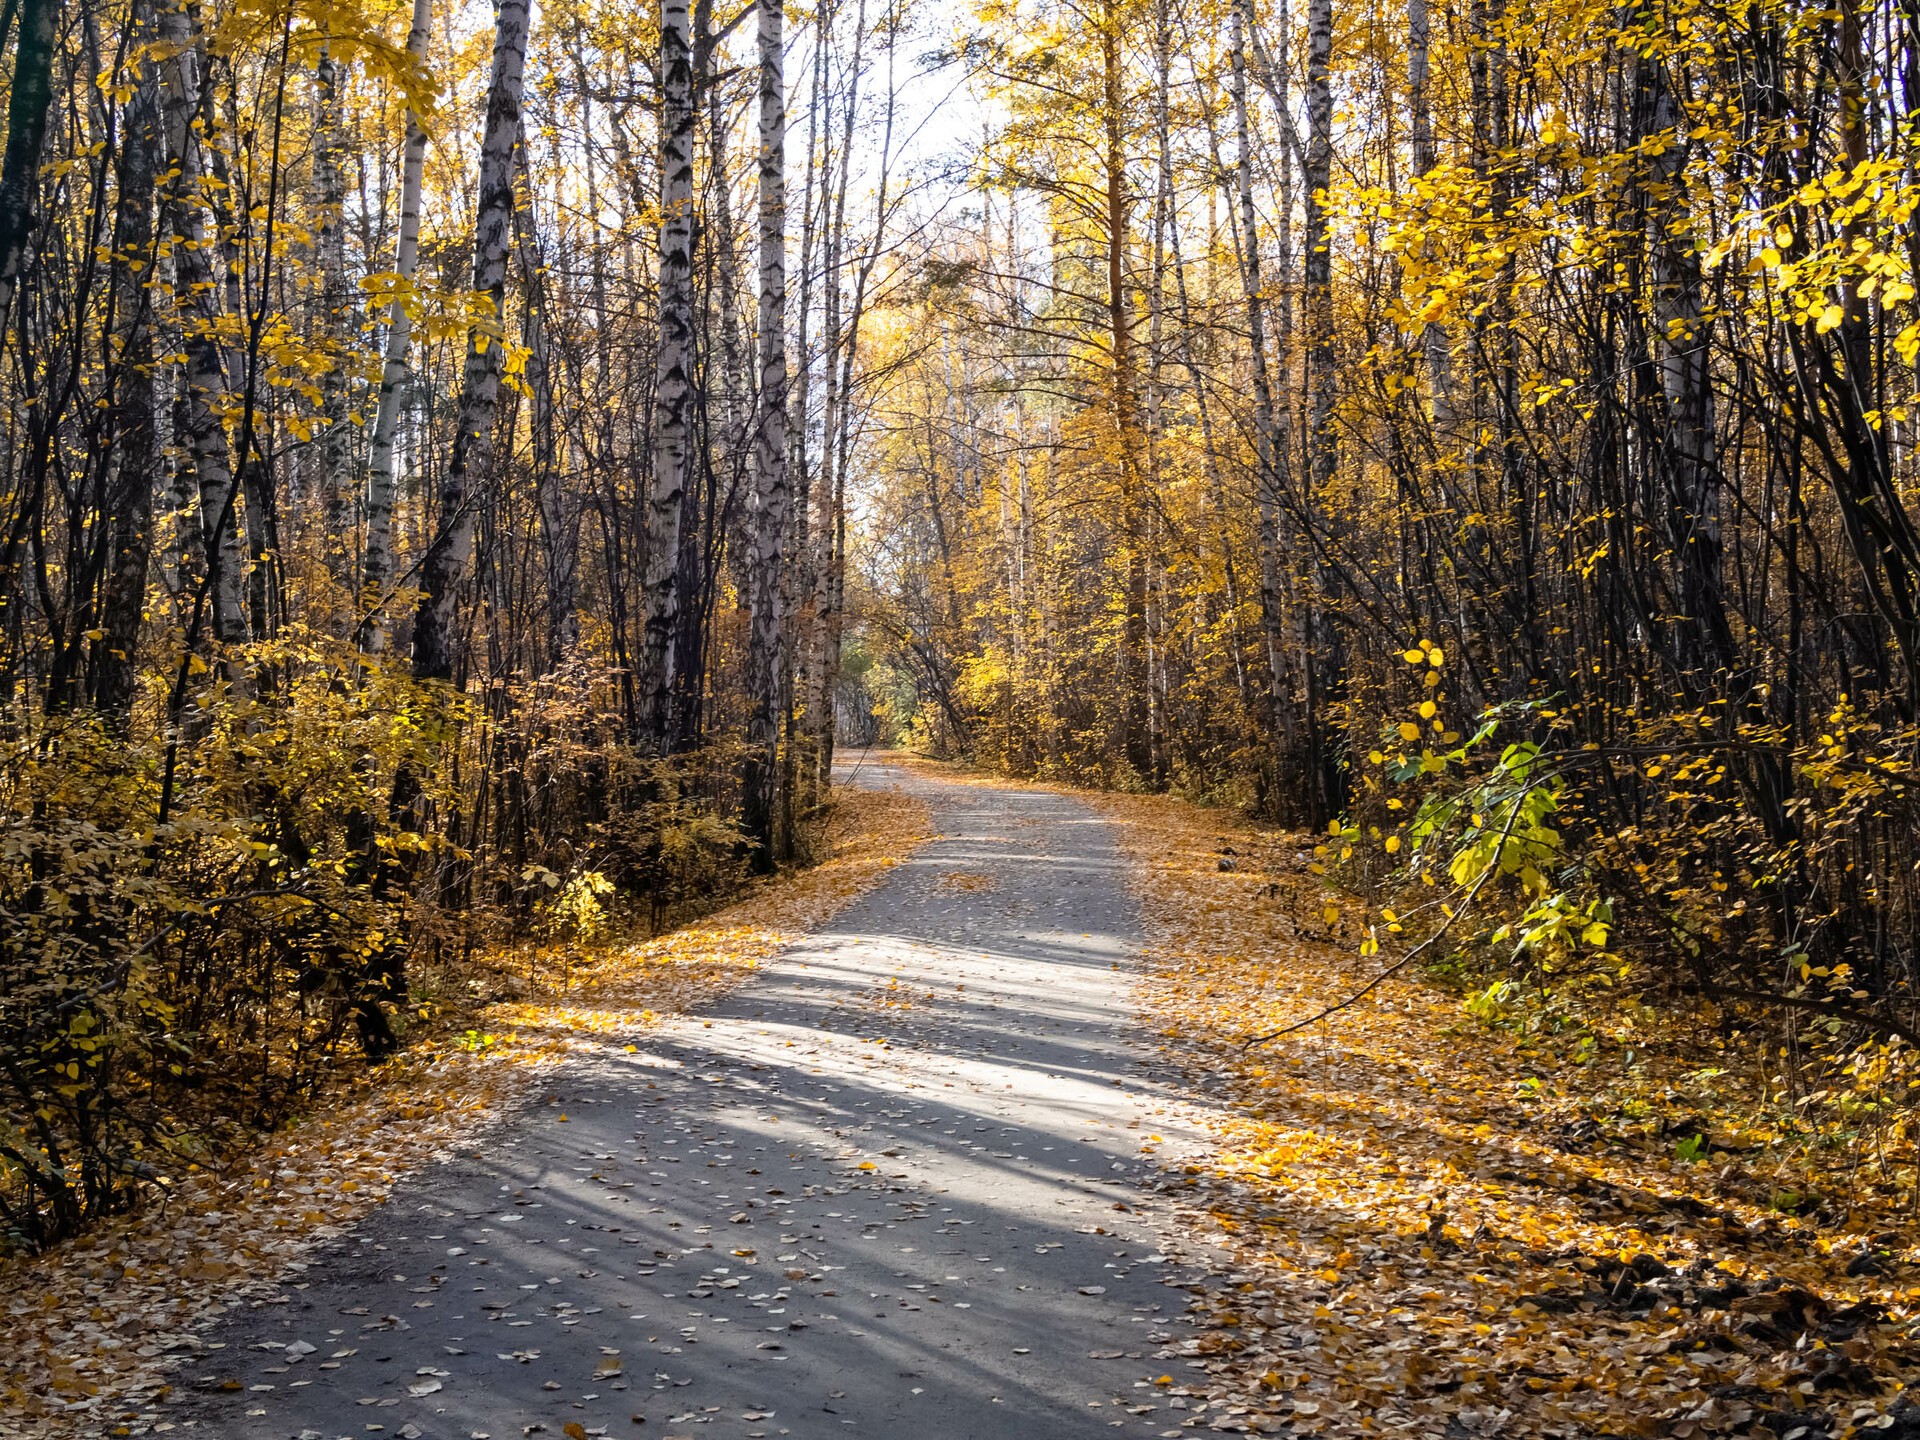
(195, 927)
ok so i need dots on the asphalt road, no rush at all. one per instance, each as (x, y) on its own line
(890, 1187)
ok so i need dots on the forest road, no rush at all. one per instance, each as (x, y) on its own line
(890, 1187)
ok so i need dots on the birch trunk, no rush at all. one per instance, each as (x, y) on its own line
(1271, 443)
(842, 436)
(673, 385)
(256, 576)
(1434, 343)
(376, 571)
(764, 641)
(818, 723)
(201, 297)
(1134, 682)
(1326, 686)
(337, 325)
(794, 674)
(470, 469)
(1682, 336)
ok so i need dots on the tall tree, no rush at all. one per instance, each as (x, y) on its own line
(765, 660)
(674, 395)
(376, 570)
(470, 470)
(186, 111)
(136, 429)
(1326, 684)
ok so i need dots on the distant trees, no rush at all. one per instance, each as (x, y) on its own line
(1573, 346)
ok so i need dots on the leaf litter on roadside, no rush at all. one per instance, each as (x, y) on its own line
(1420, 1242)
(99, 1322)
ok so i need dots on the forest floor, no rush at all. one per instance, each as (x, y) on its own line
(990, 1156)
(1450, 1224)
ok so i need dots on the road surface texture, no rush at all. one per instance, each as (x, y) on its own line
(888, 1188)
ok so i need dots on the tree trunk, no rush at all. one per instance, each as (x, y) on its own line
(1326, 666)
(204, 366)
(376, 572)
(1137, 745)
(559, 508)
(30, 95)
(338, 327)
(796, 581)
(1682, 338)
(817, 725)
(470, 470)
(674, 398)
(1434, 343)
(770, 492)
(137, 465)
(1271, 443)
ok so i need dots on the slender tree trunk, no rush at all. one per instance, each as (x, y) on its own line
(262, 603)
(338, 325)
(817, 723)
(204, 367)
(770, 492)
(137, 465)
(1134, 679)
(1209, 451)
(376, 571)
(1682, 336)
(726, 277)
(559, 508)
(1271, 444)
(797, 582)
(1435, 345)
(469, 472)
(1327, 665)
(842, 435)
(674, 398)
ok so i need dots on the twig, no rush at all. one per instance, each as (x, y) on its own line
(1513, 814)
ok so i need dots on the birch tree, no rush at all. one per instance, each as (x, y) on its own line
(674, 396)
(470, 470)
(376, 575)
(765, 657)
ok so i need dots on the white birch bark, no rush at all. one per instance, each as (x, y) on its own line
(770, 489)
(376, 572)
(817, 725)
(1270, 441)
(673, 385)
(201, 299)
(470, 470)
(1434, 343)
